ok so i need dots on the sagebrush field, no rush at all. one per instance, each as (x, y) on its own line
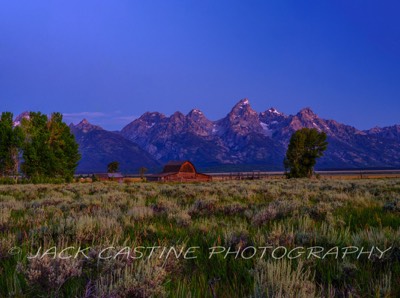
(234, 214)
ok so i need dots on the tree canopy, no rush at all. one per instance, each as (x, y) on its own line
(49, 148)
(305, 147)
(11, 139)
(113, 167)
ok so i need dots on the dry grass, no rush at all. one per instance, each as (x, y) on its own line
(235, 214)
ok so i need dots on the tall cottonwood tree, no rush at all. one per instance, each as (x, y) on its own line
(305, 146)
(113, 167)
(36, 153)
(49, 149)
(11, 139)
(63, 147)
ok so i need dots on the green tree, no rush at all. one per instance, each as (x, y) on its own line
(113, 167)
(305, 147)
(49, 149)
(63, 148)
(11, 139)
(36, 152)
(142, 171)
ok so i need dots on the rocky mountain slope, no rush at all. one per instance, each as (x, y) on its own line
(245, 136)
(99, 147)
(243, 140)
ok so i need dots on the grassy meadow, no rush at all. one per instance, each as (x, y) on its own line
(231, 214)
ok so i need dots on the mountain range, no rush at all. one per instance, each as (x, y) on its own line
(243, 140)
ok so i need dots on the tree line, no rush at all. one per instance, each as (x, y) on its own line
(43, 147)
(40, 147)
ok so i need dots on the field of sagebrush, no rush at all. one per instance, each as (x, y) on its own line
(235, 215)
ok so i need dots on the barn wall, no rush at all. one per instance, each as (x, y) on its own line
(184, 173)
(187, 177)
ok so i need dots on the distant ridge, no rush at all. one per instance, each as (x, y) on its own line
(243, 138)
(246, 137)
(99, 147)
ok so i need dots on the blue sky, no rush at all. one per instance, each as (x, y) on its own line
(111, 61)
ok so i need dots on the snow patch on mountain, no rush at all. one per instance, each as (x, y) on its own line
(267, 131)
(274, 111)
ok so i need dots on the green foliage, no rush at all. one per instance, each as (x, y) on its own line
(10, 145)
(306, 145)
(142, 171)
(49, 149)
(305, 212)
(113, 167)
(8, 180)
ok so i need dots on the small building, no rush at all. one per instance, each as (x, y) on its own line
(179, 171)
(118, 177)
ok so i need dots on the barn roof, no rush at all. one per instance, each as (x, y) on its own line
(174, 166)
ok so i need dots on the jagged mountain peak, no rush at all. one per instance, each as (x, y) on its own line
(152, 115)
(196, 115)
(198, 124)
(240, 121)
(243, 103)
(307, 112)
(148, 119)
(374, 130)
(274, 111)
(177, 116)
(85, 126)
(245, 136)
(307, 118)
(272, 114)
(243, 109)
(195, 112)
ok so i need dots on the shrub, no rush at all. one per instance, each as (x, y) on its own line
(139, 279)
(140, 212)
(277, 278)
(265, 215)
(393, 206)
(203, 207)
(50, 274)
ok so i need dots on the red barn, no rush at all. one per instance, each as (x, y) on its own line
(182, 171)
